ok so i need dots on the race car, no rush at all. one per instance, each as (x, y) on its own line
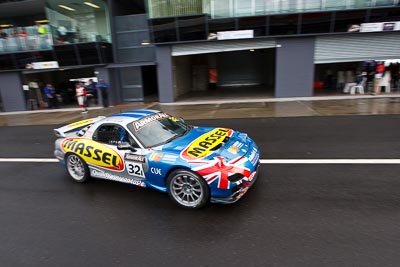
(149, 148)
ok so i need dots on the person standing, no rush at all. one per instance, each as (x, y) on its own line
(80, 93)
(379, 72)
(92, 89)
(103, 87)
(50, 94)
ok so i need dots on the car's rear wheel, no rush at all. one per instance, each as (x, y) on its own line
(188, 189)
(77, 168)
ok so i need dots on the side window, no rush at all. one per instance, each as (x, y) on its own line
(113, 135)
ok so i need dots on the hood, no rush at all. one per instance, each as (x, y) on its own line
(208, 142)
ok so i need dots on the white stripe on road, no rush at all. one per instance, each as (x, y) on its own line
(330, 161)
(263, 161)
(27, 160)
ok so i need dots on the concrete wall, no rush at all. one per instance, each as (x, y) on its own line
(295, 67)
(164, 74)
(11, 91)
(113, 91)
(182, 75)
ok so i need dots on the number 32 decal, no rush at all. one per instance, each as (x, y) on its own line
(135, 169)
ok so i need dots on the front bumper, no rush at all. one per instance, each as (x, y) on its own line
(238, 191)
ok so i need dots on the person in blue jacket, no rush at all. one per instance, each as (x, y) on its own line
(50, 95)
(103, 87)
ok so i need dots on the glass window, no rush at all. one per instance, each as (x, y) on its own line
(23, 59)
(345, 19)
(89, 53)
(66, 55)
(158, 131)
(258, 24)
(218, 25)
(283, 24)
(78, 21)
(164, 30)
(384, 14)
(315, 22)
(335, 4)
(243, 8)
(172, 8)
(192, 28)
(221, 9)
(7, 62)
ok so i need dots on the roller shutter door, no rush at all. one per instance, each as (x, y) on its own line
(220, 46)
(357, 47)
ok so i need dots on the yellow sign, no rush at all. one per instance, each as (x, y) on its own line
(94, 153)
(203, 145)
(79, 123)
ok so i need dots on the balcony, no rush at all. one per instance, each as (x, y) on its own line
(25, 43)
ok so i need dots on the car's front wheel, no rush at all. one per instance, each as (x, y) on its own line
(188, 189)
(77, 168)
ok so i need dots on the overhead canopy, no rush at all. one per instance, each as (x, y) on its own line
(221, 46)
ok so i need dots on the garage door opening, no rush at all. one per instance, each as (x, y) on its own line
(225, 75)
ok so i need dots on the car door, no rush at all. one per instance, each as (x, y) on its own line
(120, 140)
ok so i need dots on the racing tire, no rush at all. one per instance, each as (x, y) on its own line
(187, 189)
(77, 168)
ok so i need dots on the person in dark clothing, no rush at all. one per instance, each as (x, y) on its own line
(103, 87)
(50, 95)
(92, 89)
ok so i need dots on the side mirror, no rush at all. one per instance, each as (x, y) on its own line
(126, 146)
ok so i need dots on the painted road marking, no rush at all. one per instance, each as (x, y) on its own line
(28, 160)
(263, 161)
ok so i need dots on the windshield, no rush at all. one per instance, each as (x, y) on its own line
(160, 131)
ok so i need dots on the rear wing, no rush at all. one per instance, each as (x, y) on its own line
(75, 127)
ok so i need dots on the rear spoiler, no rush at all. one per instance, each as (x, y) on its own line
(75, 127)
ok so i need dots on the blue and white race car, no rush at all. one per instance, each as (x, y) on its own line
(149, 148)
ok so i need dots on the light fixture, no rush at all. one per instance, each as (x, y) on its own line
(5, 25)
(145, 42)
(251, 50)
(67, 7)
(91, 4)
(42, 21)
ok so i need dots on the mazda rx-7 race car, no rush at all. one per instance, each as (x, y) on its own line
(149, 148)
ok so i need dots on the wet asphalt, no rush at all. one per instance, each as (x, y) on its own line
(295, 215)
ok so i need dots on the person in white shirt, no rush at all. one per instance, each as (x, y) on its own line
(80, 96)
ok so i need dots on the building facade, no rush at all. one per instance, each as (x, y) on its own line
(165, 50)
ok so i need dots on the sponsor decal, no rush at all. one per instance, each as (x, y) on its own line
(203, 145)
(234, 149)
(169, 158)
(155, 171)
(137, 158)
(143, 122)
(109, 176)
(254, 156)
(93, 153)
(135, 169)
(174, 119)
(218, 170)
(79, 123)
(156, 157)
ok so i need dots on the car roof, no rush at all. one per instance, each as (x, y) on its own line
(130, 115)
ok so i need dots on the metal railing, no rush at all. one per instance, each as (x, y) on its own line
(26, 43)
(238, 8)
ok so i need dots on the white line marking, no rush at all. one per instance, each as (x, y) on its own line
(330, 161)
(27, 160)
(263, 161)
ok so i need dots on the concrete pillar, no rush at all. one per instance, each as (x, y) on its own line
(11, 91)
(166, 92)
(294, 67)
